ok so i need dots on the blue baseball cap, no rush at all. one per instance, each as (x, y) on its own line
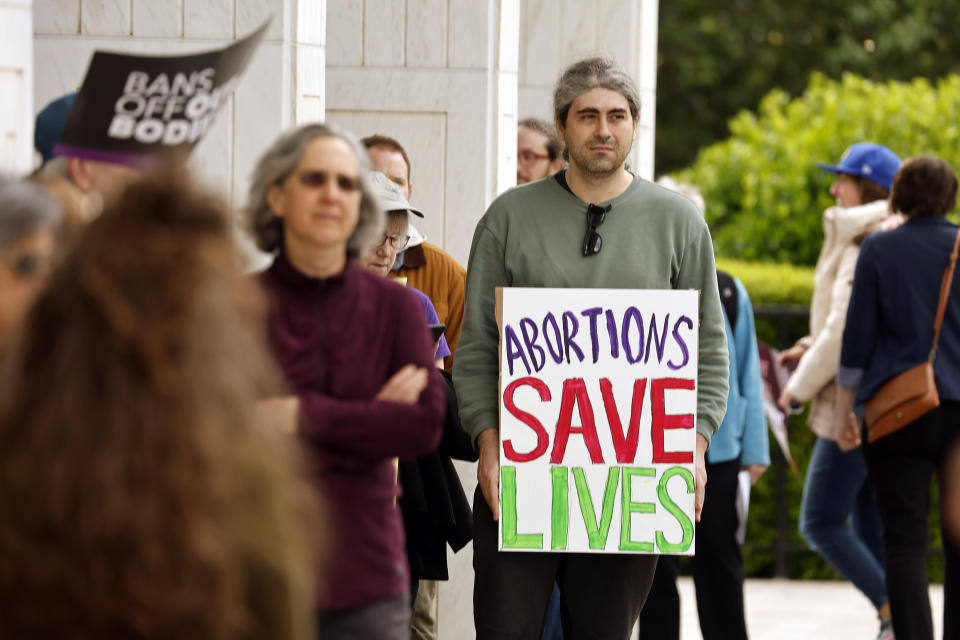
(874, 162)
(49, 125)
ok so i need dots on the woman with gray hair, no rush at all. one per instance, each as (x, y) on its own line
(358, 359)
(27, 238)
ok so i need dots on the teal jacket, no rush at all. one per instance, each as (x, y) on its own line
(531, 236)
(743, 432)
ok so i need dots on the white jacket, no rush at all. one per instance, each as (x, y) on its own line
(843, 230)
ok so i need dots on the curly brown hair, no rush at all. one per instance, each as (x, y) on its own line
(140, 498)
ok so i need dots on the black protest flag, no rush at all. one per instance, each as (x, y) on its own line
(134, 109)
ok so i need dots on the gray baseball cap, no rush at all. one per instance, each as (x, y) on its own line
(389, 195)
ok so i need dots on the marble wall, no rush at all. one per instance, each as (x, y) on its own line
(449, 78)
(16, 79)
(556, 33)
(284, 84)
(441, 77)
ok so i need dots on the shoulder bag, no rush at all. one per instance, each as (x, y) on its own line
(913, 393)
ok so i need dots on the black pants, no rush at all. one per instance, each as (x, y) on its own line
(660, 618)
(900, 467)
(717, 570)
(600, 594)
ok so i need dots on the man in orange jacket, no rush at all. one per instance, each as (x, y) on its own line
(426, 267)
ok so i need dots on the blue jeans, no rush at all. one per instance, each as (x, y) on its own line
(836, 489)
(552, 627)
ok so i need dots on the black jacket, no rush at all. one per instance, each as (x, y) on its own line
(435, 509)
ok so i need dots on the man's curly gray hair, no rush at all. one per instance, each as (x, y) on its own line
(588, 74)
(276, 165)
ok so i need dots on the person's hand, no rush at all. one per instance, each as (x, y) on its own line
(404, 386)
(843, 415)
(488, 469)
(792, 354)
(701, 475)
(279, 413)
(755, 470)
(785, 400)
(850, 436)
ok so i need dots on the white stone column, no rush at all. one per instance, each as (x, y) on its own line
(16, 80)
(283, 85)
(440, 76)
(556, 33)
(646, 56)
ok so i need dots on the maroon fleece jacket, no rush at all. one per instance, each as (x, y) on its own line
(337, 341)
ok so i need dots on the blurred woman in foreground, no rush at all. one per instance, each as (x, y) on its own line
(140, 499)
(357, 355)
(890, 329)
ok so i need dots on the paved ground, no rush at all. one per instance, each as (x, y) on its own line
(795, 610)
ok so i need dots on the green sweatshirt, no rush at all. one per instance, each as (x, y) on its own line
(532, 235)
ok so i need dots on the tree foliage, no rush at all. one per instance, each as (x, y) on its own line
(717, 58)
(764, 193)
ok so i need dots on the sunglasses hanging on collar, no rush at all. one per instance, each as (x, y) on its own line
(592, 240)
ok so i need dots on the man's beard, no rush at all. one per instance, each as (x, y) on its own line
(599, 166)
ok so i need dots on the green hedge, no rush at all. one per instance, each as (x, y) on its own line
(763, 191)
(784, 285)
(772, 283)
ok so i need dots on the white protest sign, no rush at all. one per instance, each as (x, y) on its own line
(598, 399)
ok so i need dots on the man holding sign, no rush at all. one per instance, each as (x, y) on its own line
(599, 404)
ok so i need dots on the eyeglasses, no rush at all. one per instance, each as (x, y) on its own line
(320, 179)
(529, 157)
(592, 242)
(397, 242)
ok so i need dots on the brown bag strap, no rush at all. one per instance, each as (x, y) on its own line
(944, 293)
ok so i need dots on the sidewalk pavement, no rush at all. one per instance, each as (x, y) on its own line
(800, 610)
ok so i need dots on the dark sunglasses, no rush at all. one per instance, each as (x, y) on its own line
(592, 241)
(320, 179)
